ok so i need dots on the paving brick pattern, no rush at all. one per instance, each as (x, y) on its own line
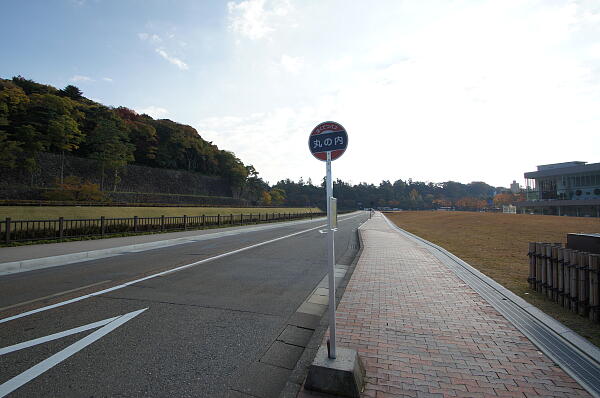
(422, 332)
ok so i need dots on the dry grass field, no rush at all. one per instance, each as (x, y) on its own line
(54, 212)
(497, 244)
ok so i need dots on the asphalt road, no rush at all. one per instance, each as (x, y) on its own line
(209, 330)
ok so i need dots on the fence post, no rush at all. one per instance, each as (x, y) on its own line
(135, 223)
(102, 225)
(7, 238)
(538, 267)
(218, 219)
(203, 220)
(531, 255)
(184, 222)
(554, 256)
(583, 283)
(560, 276)
(594, 261)
(566, 278)
(544, 268)
(548, 253)
(61, 227)
(573, 277)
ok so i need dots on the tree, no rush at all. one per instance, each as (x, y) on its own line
(143, 137)
(471, 203)
(30, 145)
(55, 119)
(110, 146)
(232, 169)
(9, 151)
(73, 189)
(63, 135)
(277, 196)
(72, 92)
(13, 108)
(266, 198)
(505, 198)
(31, 87)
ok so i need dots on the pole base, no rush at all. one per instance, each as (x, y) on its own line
(343, 376)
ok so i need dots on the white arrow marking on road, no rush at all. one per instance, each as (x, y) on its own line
(33, 372)
(54, 336)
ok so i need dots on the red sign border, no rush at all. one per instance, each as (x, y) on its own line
(334, 154)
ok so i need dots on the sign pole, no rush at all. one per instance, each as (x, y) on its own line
(327, 142)
(343, 376)
(330, 258)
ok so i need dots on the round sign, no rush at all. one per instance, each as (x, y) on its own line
(328, 137)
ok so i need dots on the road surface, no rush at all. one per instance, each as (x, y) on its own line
(212, 318)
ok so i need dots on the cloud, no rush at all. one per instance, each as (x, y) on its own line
(256, 19)
(107, 79)
(292, 64)
(81, 78)
(174, 60)
(154, 38)
(155, 111)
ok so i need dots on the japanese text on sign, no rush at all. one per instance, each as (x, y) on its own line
(328, 141)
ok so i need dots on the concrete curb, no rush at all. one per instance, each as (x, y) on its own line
(298, 375)
(64, 259)
(580, 343)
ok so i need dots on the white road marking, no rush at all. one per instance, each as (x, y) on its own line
(60, 356)
(53, 295)
(182, 267)
(55, 336)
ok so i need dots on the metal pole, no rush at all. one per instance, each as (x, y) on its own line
(330, 259)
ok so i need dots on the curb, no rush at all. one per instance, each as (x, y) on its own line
(300, 371)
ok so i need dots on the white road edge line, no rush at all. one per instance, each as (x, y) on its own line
(55, 336)
(60, 356)
(110, 289)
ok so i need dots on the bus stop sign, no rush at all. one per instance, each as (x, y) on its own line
(328, 137)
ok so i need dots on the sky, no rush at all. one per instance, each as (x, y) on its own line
(430, 90)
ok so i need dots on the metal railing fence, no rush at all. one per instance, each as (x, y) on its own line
(63, 228)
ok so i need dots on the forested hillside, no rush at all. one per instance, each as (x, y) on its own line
(37, 118)
(400, 194)
(40, 118)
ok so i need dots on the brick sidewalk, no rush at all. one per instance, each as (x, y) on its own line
(422, 332)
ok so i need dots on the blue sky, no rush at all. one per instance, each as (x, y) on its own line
(430, 90)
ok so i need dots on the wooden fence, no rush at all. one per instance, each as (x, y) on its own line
(566, 276)
(57, 229)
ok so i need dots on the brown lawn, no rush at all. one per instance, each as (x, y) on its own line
(497, 244)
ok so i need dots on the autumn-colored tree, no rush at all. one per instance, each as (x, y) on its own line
(72, 189)
(266, 198)
(442, 202)
(504, 198)
(471, 203)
